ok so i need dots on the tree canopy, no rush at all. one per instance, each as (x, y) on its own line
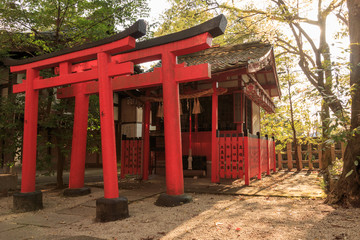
(40, 26)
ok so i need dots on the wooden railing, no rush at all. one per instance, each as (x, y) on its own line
(309, 155)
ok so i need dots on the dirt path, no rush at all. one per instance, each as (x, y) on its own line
(209, 216)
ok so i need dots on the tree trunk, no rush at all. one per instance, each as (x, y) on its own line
(297, 160)
(60, 169)
(347, 189)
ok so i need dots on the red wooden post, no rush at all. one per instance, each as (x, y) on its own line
(228, 156)
(267, 156)
(190, 159)
(246, 159)
(78, 148)
(146, 140)
(274, 154)
(260, 156)
(124, 151)
(214, 143)
(172, 130)
(196, 123)
(235, 165)
(30, 133)
(107, 128)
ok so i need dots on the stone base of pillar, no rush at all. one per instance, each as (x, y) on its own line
(76, 192)
(166, 200)
(111, 209)
(26, 202)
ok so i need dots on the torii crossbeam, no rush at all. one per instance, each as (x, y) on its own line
(112, 69)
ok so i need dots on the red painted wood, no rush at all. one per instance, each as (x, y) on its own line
(264, 155)
(253, 151)
(30, 133)
(132, 157)
(240, 153)
(127, 157)
(267, 157)
(228, 157)
(246, 161)
(139, 160)
(273, 155)
(146, 137)
(114, 47)
(260, 156)
(120, 83)
(201, 143)
(78, 77)
(222, 156)
(78, 149)
(193, 73)
(123, 157)
(234, 157)
(107, 128)
(21, 87)
(172, 130)
(186, 46)
(215, 161)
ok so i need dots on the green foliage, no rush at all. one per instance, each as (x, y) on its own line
(11, 127)
(93, 130)
(43, 26)
(183, 14)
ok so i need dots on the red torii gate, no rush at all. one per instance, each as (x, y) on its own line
(113, 74)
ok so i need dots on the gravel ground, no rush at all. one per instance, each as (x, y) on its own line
(207, 217)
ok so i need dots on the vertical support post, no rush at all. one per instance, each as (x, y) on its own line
(196, 126)
(259, 160)
(190, 159)
(146, 140)
(311, 167)
(30, 133)
(29, 199)
(279, 158)
(300, 156)
(320, 155)
(215, 178)
(246, 158)
(78, 148)
(289, 156)
(267, 155)
(107, 128)
(274, 153)
(333, 156)
(124, 149)
(172, 130)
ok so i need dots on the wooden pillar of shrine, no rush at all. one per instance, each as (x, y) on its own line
(29, 199)
(215, 178)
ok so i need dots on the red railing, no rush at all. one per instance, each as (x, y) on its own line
(231, 156)
(131, 156)
(245, 156)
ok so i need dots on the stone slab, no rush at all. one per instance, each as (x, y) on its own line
(80, 210)
(52, 220)
(5, 226)
(22, 233)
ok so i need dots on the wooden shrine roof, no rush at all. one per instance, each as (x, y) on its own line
(229, 57)
(256, 57)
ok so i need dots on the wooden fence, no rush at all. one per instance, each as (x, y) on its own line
(309, 155)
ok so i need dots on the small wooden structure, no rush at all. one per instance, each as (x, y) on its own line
(309, 155)
(224, 133)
